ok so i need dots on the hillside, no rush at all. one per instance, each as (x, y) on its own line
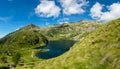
(27, 36)
(80, 45)
(70, 31)
(19, 46)
(98, 50)
(63, 36)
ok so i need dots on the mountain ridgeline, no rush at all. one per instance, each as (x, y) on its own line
(70, 31)
(86, 45)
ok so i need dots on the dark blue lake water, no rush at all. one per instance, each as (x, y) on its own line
(55, 48)
(50, 54)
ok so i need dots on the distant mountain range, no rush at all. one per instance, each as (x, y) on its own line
(70, 31)
(92, 44)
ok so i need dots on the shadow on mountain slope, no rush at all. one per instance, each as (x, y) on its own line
(56, 48)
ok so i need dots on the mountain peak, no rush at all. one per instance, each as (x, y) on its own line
(30, 26)
(29, 35)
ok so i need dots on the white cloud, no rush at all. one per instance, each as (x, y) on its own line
(63, 20)
(112, 13)
(47, 24)
(96, 10)
(73, 6)
(47, 9)
(17, 28)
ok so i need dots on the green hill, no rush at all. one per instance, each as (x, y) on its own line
(29, 36)
(98, 50)
(19, 46)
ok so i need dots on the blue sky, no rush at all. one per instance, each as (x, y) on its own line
(15, 14)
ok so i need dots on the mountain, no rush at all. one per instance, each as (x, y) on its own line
(98, 50)
(20, 46)
(97, 47)
(70, 31)
(63, 36)
(29, 36)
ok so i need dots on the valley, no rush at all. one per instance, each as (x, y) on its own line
(80, 45)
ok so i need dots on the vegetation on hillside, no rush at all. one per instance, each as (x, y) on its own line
(98, 50)
(17, 48)
(70, 31)
(28, 36)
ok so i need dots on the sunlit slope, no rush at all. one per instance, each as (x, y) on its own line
(99, 50)
(71, 31)
(18, 48)
(29, 36)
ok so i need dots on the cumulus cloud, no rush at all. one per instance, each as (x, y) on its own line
(47, 9)
(73, 6)
(96, 10)
(112, 13)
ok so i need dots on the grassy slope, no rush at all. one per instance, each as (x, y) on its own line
(99, 50)
(63, 36)
(18, 47)
(23, 40)
(28, 36)
(70, 31)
